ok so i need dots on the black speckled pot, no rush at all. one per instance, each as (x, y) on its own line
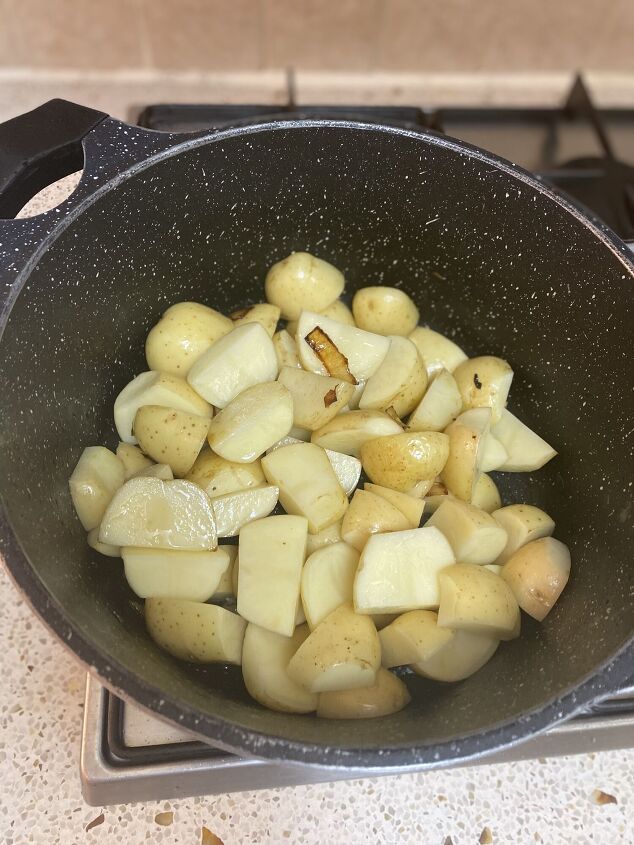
(491, 257)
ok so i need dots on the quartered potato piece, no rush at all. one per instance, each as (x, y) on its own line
(410, 506)
(387, 695)
(475, 536)
(316, 399)
(265, 657)
(183, 333)
(474, 599)
(462, 655)
(325, 537)
(411, 638)
(436, 350)
(244, 357)
(494, 455)
(286, 350)
(484, 382)
(523, 524)
(400, 461)
(164, 573)
(399, 571)
(369, 514)
(218, 476)
(347, 469)
(272, 553)
(154, 388)
(196, 632)
(467, 436)
(152, 513)
(235, 510)
(98, 475)
(162, 471)
(132, 458)
(252, 422)
(486, 495)
(327, 579)
(225, 589)
(170, 437)
(308, 484)
(440, 405)
(263, 313)
(399, 382)
(102, 548)
(343, 652)
(340, 312)
(384, 310)
(435, 496)
(537, 574)
(302, 282)
(526, 450)
(348, 432)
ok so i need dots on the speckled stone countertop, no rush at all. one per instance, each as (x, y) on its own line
(583, 799)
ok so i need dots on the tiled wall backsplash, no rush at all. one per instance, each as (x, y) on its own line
(327, 35)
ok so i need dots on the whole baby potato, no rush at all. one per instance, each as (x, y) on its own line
(384, 310)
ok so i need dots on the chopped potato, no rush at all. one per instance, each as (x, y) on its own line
(327, 579)
(165, 573)
(162, 471)
(170, 437)
(475, 536)
(225, 589)
(440, 405)
(369, 514)
(526, 450)
(409, 505)
(387, 695)
(484, 382)
(316, 399)
(263, 313)
(466, 440)
(96, 478)
(286, 350)
(399, 382)
(326, 537)
(348, 432)
(218, 477)
(340, 312)
(132, 458)
(103, 548)
(486, 495)
(462, 655)
(384, 310)
(302, 282)
(346, 468)
(494, 455)
(474, 599)
(235, 510)
(436, 350)
(523, 524)
(196, 632)
(402, 460)
(411, 638)
(537, 574)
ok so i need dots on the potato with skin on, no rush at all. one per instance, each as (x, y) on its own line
(410, 506)
(103, 548)
(132, 458)
(339, 311)
(411, 638)
(486, 495)
(399, 382)
(474, 599)
(302, 282)
(343, 652)
(384, 310)
(484, 382)
(523, 524)
(348, 432)
(264, 313)
(271, 554)
(286, 350)
(158, 514)
(399, 571)
(265, 657)
(387, 695)
(97, 476)
(164, 573)
(475, 536)
(368, 514)
(316, 399)
(218, 477)
(327, 579)
(537, 574)
(402, 460)
(154, 388)
(326, 537)
(440, 405)
(466, 442)
(461, 657)
(436, 350)
(526, 450)
(184, 332)
(252, 422)
(235, 510)
(170, 437)
(244, 357)
(194, 631)
(308, 484)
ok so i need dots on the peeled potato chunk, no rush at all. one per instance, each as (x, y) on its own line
(152, 513)
(494, 454)
(196, 632)
(163, 471)
(387, 695)
(399, 571)
(411, 638)
(225, 589)
(474, 599)
(218, 476)
(164, 573)
(302, 282)
(349, 431)
(526, 450)
(440, 405)
(132, 458)
(272, 552)
(235, 510)
(347, 469)
(411, 507)
(286, 350)
(369, 514)
(308, 484)
(486, 495)
(399, 382)
(466, 441)
(475, 536)
(384, 310)
(484, 382)
(98, 475)
(252, 422)
(436, 350)
(523, 524)
(263, 313)
(170, 437)
(537, 574)
(343, 652)
(340, 312)
(327, 579)
(180, 337)
(316, 399)
(154, 388)
(459, 658)
(402, 460)
(265, 657)
(326, 537)
(242, 358)
(102, 548)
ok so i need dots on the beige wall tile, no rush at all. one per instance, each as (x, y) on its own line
(332, 34)
(72, 33)
(203, 34)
